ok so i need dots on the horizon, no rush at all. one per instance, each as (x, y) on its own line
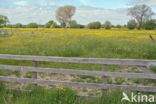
(41, 11)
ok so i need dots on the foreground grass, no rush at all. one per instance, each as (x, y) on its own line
(40, 95)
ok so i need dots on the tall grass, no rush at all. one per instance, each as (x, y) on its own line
(40, 95)
(78, 46)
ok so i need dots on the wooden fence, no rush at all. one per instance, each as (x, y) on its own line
(140, 63)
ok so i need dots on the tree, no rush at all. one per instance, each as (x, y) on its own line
(149, 24)
(131, 24)
(32, 25)
(94, 25)
(82, 26)
(140, 13)
(107, 25)
(118, 26)
(3, 20)
(48, 24)
(9, 26)
(73, 24)
(54, 25)
(51, 24)
(64, 15)
(19, 25)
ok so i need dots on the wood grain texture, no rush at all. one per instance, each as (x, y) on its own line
(79, 72)
(82, 60)
(85, 85)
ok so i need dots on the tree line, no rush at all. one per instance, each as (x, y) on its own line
(140, 14)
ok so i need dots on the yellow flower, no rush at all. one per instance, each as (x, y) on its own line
(56, 85)
(63, 89)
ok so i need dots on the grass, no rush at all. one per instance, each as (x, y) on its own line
(80, 43)
(124, 44)
(41, 95)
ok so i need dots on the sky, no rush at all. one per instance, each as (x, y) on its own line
(41, 11)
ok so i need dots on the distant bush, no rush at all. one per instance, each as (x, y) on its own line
(32, 25)
(18, 25)
(107, 25)
(118, 26)
(131, 24)
(9, 26)
(82, 26)
(149, 25)
(94, 25)
(112, 26)
(124, 26)
(51, 24)
(73, 24)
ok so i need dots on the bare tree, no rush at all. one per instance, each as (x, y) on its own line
(64, 14)
(140, 13)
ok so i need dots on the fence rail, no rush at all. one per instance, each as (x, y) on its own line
(104, 73)
(83, 60)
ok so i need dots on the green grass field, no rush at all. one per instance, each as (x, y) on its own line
(124, 44)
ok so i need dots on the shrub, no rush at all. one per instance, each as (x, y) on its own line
(47, 25)
(131, 24)
(107, 25)
(94, 25)
(73, 24)
(51, 24)
(82, 26)
(118, 26)
(9, 26)
(18, 25)
(32, 25)
(149, 25)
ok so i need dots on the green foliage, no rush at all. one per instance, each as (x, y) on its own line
(51, 24)
(3, 20)
(153, 68)
(32, 25)
(28, 75)
(131, 24)
(73, 24)
(82, 26)
(124, 26)
(118, 26)
(119, 80)
(2, 93)
(94, 25)
(18, 25)
(9, 26)
(149, 25)
(107, 25)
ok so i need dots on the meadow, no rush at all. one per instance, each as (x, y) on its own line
(114, 43)
(80, 43)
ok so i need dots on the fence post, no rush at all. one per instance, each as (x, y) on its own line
(104, 77)
(35, 73)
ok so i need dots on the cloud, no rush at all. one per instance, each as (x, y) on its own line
(39, 13)
(140, 2)
(86, 14)
(21, 3)
(43, 12)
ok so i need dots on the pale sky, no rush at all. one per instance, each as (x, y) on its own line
(41, 11)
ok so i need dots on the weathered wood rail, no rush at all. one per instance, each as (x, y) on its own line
(141, 63)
